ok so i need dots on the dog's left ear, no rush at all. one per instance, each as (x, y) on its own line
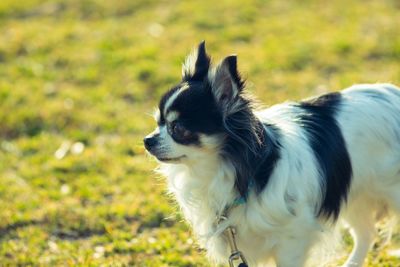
(226, 83)
(196, 64)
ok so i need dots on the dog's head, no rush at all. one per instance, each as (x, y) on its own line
(196, 117)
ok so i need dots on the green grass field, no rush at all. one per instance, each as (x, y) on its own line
(78, 83)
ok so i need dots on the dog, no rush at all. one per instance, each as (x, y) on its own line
(279, 177)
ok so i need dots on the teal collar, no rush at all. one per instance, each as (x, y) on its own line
(240, 200)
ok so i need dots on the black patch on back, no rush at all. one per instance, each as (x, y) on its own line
(327, 142)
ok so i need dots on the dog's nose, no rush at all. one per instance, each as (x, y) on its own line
(149, 142)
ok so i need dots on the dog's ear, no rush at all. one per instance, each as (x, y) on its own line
(196, 64)
(226, 83)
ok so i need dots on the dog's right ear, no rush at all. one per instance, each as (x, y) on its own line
(226, 84)
(196, 64)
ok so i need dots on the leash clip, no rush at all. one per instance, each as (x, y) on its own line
(236, 254)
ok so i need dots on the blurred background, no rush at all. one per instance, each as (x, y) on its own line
(78, 83)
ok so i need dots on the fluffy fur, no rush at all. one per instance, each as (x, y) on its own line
(301, 167)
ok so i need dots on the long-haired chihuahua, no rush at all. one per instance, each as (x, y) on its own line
(258, 184)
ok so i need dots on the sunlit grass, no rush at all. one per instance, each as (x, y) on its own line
(79, 78)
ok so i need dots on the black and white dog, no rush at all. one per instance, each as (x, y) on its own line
(281, 175)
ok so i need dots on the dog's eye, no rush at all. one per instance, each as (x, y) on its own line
(179, 131)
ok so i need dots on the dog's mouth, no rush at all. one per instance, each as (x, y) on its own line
(176, 159)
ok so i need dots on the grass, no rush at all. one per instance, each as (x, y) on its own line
(78, 80)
